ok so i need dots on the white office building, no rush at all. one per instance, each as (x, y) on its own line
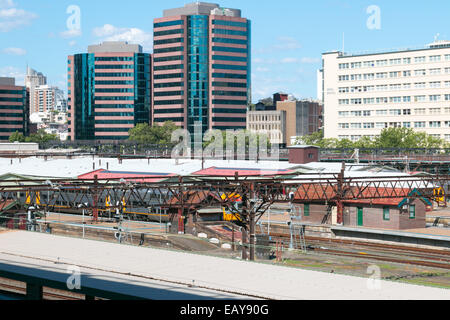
(364, 93)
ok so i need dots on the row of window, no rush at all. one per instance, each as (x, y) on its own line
(114, 58)
(167, 41)
(114, 66)
(393, 87)
(168, 32)
(382, 125)
(393, 62)
(229, 32)
(392, 74)
(398, 99)
(169, 67)
(393, 112)
(226, 40)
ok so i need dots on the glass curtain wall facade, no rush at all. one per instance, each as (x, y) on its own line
(109, 93)
(201, 68)
(198, 76)
(14, 110)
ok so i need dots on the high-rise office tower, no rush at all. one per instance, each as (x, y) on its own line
(34, 79)
(108, 91)
(201, 67)
(14, 105)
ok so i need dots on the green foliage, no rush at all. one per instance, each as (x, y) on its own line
(388, 138)
(40, 137)
(143, 133)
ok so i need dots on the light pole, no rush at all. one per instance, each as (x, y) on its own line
(83, 205)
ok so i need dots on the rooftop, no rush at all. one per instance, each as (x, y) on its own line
(202, 8)
(440, 44)
(115, 47)
(146, 271)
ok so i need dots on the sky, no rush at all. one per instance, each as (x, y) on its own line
(288, 36)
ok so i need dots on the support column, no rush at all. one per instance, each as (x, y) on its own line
(95, 200)
(340, 195)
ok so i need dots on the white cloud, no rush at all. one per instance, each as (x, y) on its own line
(70, 33)
(289, 60)
(310, 60)
(15, 51)
(287, 43)
(133, 35)
(11, 17)
(262, 69)
(13, 72)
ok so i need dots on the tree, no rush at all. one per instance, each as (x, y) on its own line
(157, 134)
(17, 136)
(405, 138)
(267, 101)
(40, 137)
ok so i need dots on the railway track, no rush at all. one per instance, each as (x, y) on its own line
(375, 251)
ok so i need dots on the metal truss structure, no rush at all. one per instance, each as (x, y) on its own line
(183, 196)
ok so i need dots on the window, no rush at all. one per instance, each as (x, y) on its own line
(381, 112)
(406, 124)
(435, 110)
(306, 210)
(419, 111)
(394, 74)
(407, 73)
(395, 112)
(435, 124)
(419, 59)
(368, 125)
(366, 113)
(406, 111)
(435, 84)
(381, 125)
(419, 98)
(386, 213)
(419, 85)
(355, 125)
(343, 113)
(435, 97)
(381, 63)
(395, 61)
(435, 58)
(395, 99)
(412, 211)
(343, 125)
(419, 124)
(407, 99)
(406, 60)
(435, 71)
(420, 72)
(343, 66)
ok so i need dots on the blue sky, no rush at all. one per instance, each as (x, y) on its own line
(288, 36)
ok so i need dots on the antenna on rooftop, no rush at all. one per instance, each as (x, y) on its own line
(436, 37)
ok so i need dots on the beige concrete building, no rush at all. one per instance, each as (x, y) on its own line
(365, 93)
(273, 123)
(302, 117)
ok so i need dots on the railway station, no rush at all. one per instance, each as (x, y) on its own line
(326, 221)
